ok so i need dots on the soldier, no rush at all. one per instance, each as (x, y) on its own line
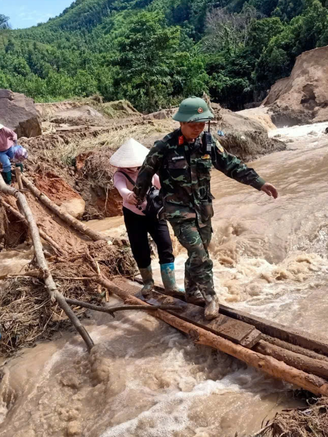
(183, 161)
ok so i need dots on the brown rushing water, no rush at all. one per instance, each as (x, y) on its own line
(145, 379)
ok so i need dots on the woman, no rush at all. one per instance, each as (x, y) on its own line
(9, 150)
(128, 158)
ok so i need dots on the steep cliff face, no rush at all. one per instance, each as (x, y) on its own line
(303, 96)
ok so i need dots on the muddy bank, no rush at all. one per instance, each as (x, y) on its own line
(303, 96)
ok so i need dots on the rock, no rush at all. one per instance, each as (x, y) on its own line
(161, 115)
(245, 137)
(74, 429)
(19, 113)
(261, 115)
(74, 207)
(303, 96)
(60, 192)
(82, 115)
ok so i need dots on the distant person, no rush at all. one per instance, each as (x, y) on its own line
(10, 151)
(128, 159)
(183, 161)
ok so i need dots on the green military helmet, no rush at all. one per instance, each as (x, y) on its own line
(194, 109)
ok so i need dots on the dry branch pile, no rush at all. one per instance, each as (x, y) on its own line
(28, 315)
(311, 421)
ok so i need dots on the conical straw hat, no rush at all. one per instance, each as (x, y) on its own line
(130, 154)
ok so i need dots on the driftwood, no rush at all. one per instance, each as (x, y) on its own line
(43, 235)
(18, 175)
(67, 218)
(113, 310)
(267, 364)
(42, 263)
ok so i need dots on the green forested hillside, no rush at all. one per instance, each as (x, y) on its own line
(153, 52)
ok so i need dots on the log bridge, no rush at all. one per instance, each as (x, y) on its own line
(289, 355)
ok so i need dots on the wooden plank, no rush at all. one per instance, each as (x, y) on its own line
(273, 329)
(234, 330)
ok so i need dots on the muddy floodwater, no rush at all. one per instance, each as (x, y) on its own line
(145, 379)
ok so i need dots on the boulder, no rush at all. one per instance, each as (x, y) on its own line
(19, 113)
(79, 116)
(303, 96)
(245, 137)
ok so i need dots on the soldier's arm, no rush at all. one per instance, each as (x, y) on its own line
(150, 166)
(234, 168)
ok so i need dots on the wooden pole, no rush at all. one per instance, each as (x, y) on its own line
(42, 263)
(299, 361)
(269, 365)
(67, 218)
(113, 310)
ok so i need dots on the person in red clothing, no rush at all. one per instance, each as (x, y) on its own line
(9, 150)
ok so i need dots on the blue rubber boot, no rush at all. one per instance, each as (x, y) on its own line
(168, 278)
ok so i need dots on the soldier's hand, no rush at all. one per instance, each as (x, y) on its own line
(270, 190)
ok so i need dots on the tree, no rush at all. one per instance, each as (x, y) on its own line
(260, 34)
(228, 31)
(287, 9)
(146, 50)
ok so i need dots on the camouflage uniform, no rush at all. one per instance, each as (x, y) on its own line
(184, 171)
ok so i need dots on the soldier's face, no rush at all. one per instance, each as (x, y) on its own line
(191, 131)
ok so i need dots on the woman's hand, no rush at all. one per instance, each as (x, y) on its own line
(131, 198)
(270, 190)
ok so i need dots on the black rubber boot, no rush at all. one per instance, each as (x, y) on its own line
(7, 177)
(147, 278)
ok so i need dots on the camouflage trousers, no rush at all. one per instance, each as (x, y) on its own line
(199, 266)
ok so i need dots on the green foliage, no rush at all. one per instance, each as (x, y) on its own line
(145, 51)
(155, 52)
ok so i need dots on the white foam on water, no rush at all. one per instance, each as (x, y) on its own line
(172, 411)
(316, 129)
